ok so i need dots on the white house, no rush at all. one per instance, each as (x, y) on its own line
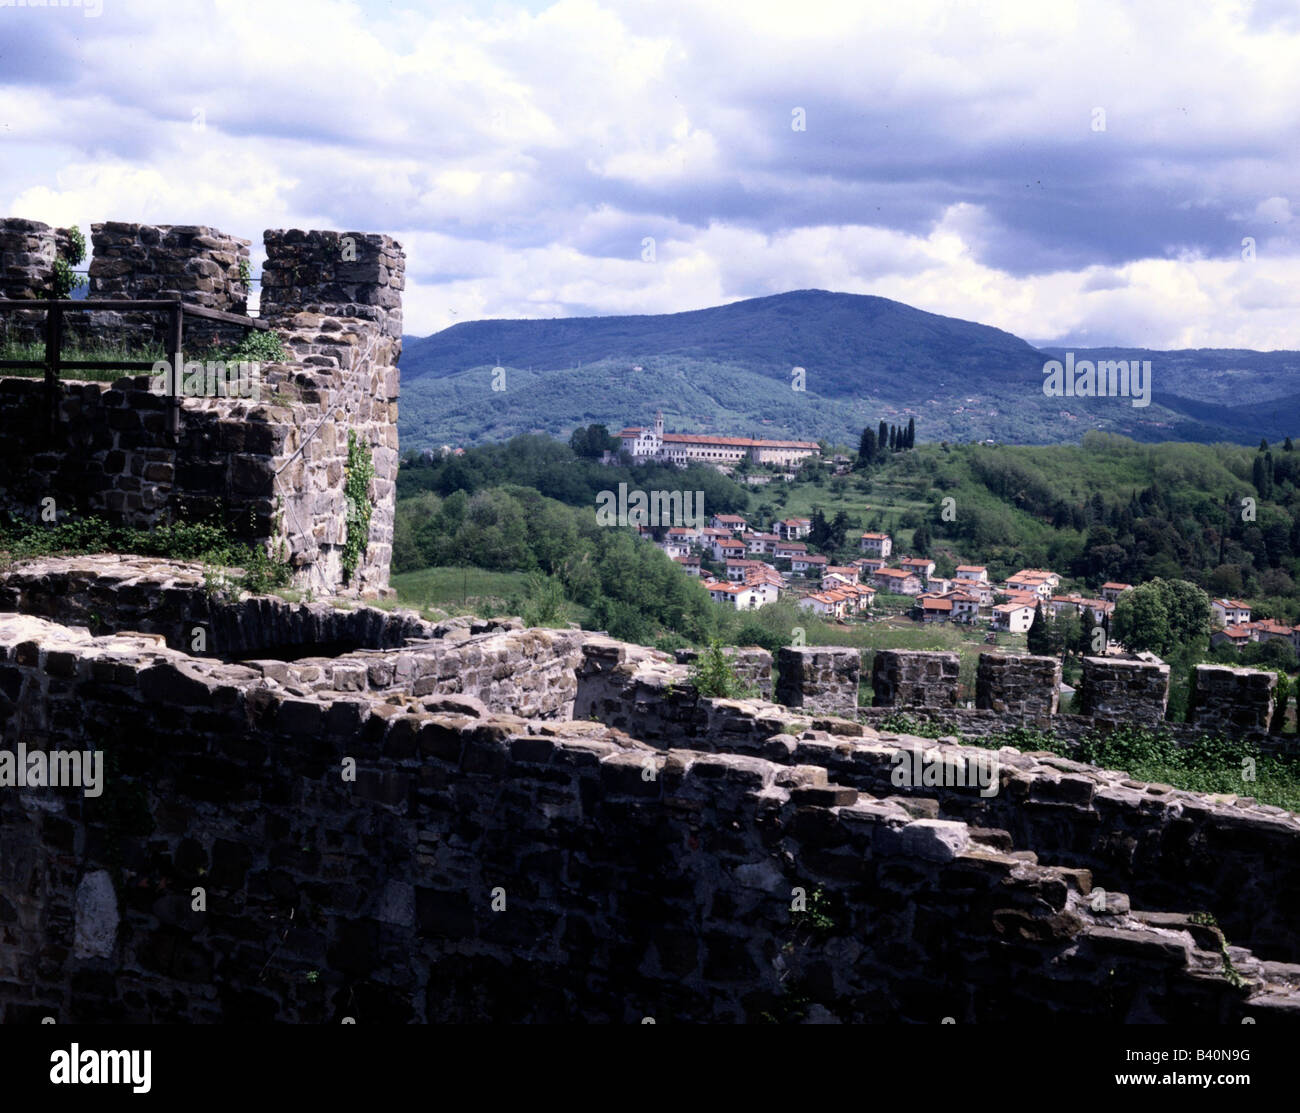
(965, 606)
(789, 550)
(824, 604)
(762, 592)
(727, 548)
(974, 572)
(738, 570)
(922, 566)
(1231, 612)
(810, 563)
(877, 544)
(791, 529)
(898, 581)
(740, 596)
(1015, 618)
(735, 523)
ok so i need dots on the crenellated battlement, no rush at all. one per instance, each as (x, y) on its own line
(271, 468)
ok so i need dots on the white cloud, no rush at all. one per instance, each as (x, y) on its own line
(522, 153)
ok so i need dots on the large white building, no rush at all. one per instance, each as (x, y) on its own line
(683, 448)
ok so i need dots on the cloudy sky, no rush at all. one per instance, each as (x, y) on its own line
(1074, 173)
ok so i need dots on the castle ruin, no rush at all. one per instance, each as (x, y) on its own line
(333, 813)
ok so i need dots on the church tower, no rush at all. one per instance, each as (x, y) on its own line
(659, 425)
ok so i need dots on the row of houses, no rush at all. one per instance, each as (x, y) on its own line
(966, 597)
(1238, 629)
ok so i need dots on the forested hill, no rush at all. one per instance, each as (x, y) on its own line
(842, 340)
(729, 369)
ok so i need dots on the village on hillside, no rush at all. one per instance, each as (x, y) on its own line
(758, 567)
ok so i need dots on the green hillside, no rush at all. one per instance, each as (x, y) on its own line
(729, 369)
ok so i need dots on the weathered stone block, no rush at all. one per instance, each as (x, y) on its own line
(819, 678)
(907, 678)
(1025, 687)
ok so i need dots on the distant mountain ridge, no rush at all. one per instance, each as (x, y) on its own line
(730, 368)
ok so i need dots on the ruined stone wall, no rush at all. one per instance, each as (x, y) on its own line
(1238, 702)
(1172, 850)
(819, 678)
(1025, 688)
(1118, 693)
(902, 678)
(28, 250)
(336, 299)
(485, 869)
(194, 263)
(271, 468)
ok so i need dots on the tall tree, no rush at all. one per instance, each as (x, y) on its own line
(893, 438)
(866, 450)
(1038, 640)
(882, 439)
(921, 540)
(910, 440)
(1083, 636)
(839, 529)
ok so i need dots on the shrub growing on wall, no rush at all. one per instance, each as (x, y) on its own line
(357, 474)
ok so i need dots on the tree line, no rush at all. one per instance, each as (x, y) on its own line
(877, 444)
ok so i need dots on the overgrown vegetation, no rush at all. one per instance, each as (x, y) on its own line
(903, 723)
(713, 675)
(64, 279)
(213, 545)
(257, 346)
(1209, 764)
(357, 474)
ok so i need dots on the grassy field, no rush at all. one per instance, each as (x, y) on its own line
(36, 351)
(461, 589)
(467, 591)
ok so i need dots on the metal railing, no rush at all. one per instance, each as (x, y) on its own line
(53, 363)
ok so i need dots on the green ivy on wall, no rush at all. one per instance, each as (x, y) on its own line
(357, 474)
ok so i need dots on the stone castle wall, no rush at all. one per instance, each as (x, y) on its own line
(477, 861)
(1027, 688)
(1170, 849)
(272, 468)
(197, 264)
(1118, 693)
(901, 678)
(819, 678)
(28, 250)
(1238, 702)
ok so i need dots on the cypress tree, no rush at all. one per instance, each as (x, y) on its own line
(1038, 640)
(911, 432)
